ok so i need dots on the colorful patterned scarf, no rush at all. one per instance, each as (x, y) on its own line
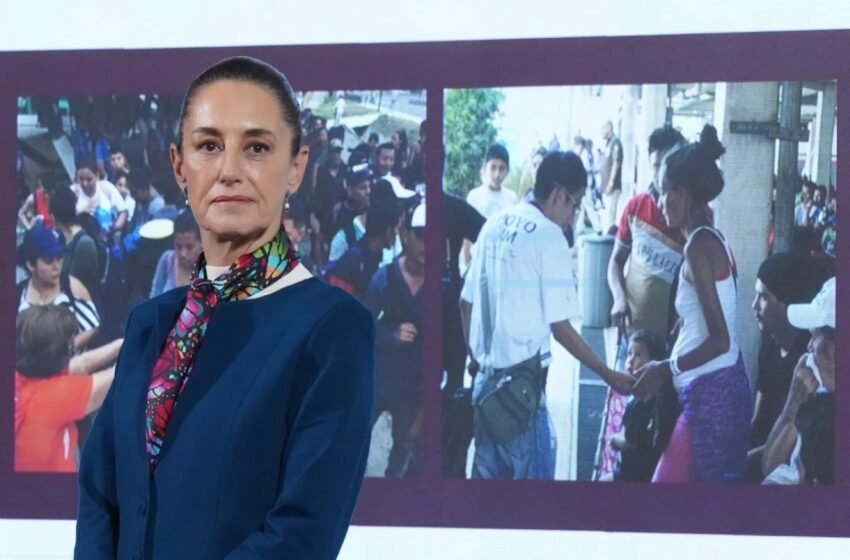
(247, 276)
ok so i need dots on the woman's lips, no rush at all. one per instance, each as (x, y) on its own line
(230, 199)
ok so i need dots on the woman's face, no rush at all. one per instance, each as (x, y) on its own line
(187, 245)
(673, 202)
(87, 179)
(46, 271)
(236, 164)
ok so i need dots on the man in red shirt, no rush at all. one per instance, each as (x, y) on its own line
(652, 250)
(51, 393)
(642, 292)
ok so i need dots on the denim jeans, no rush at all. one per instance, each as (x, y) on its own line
(530, 455)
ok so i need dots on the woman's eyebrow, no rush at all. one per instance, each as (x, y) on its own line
(250, 133)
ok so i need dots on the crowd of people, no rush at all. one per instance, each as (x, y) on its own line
(690, 410)
(814, 217)
(93, 245)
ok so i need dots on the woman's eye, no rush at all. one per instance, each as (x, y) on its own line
(258, 148)
(208, 146)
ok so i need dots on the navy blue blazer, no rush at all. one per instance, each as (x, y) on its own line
(267, 445)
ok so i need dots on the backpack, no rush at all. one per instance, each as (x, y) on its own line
(110, 295)
(104, 258)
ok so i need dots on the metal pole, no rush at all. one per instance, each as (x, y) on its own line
(787, 177)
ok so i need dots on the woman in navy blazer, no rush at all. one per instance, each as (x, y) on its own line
(266, 444)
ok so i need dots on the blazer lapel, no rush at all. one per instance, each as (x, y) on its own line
(165, 316)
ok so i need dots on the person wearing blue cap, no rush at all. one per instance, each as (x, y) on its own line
(40, 255)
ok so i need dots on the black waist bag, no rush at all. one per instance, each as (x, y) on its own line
(508, 410)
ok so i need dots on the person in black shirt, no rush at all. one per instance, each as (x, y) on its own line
(460, 222)
(396, 299)
(330, 184)
(782, 279)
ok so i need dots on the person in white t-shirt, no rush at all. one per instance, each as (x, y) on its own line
(490, 198)
(99, 198)
(521, 287)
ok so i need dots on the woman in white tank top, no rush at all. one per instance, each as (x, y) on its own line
(711, 436)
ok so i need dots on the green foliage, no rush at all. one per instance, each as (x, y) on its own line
(469, 131)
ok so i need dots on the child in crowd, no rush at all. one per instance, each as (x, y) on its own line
(637, 446)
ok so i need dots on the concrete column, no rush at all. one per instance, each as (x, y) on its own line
(822, 135)
(653, 112)
(787, 160)
(628, 122)
(742, 211)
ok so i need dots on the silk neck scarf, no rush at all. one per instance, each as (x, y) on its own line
(245, 277)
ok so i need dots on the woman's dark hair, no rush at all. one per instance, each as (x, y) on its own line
(44, 340)
(185, 223)
(663, 138)
(693, 166)
(822, 190)
(402, 139)
(87, 162)
(563, 169)
(63, 206)
(247, 69)
(651, 341)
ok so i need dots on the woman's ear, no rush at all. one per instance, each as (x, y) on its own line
(297, 170)
(177, 166)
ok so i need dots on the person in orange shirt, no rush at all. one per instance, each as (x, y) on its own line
(53, 389)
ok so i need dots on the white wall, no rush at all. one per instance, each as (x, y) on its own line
(65, 24)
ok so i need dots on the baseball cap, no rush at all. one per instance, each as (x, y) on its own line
(336, 144)
(399, 191)
(819, 313)
(42, 243)
(418, 219)
(358, 173)
(790, 277)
